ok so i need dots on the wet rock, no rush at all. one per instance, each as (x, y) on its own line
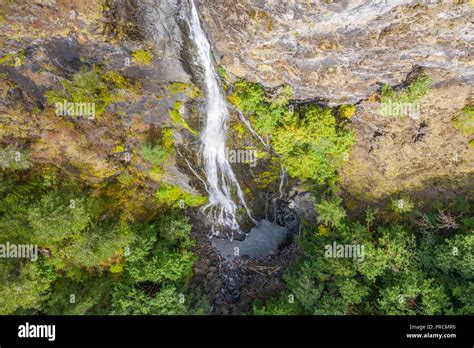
(263, 239)
(304, 207)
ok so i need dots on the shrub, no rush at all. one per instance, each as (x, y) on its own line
(412, 94)
(310, 142)
(173, 196)
(154, 154)
(14, 158)
(346, 111)
(90, 86)
(22, 286)
(128, 300)
(330, 212)
(280, 306)
(402, 205)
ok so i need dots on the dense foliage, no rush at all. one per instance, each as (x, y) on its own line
(92, 259)
(423, 265)
(310, 140)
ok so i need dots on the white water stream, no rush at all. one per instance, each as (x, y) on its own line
(219, 174)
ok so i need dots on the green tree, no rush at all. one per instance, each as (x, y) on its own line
(24, 285)
(330, 212)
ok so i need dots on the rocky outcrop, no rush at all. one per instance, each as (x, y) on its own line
(38, 53)
(342, 52)
(427, 155)
(339, 51)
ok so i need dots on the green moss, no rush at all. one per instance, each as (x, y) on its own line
(142, 57)
(117, 80)
(91, 86)
(119, 148)
(264, 179)
(13, 60)
(284, 95)
(154, 154)
(465, 121)
(186, 88)
(346, 111)
(223, 74)
(177, 118)
(173, 196)
(167, 139)
(240, 129)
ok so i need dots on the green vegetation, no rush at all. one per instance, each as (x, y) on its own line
(173, 196)
(412, 94)
(330, 212)
(93, 258)
(346, 111)
(465, 121)
(154, 154)
(142, 57)
(177, 118)
(401, 271)
(187, 89)
(91, 86)
(310, 141)
(157, 266)
(402, 205)
(223, 74)
(13, 60)
(14, 158)
(393, 267)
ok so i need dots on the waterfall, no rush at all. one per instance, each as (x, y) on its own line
(219, 174)
(280, 190)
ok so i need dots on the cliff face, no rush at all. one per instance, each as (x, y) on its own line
(47, 44)
(427, 155)
(341, 53)
(332, 52)
(338, 51)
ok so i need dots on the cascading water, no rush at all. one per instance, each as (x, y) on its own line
(280, 190)
(219, 174)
